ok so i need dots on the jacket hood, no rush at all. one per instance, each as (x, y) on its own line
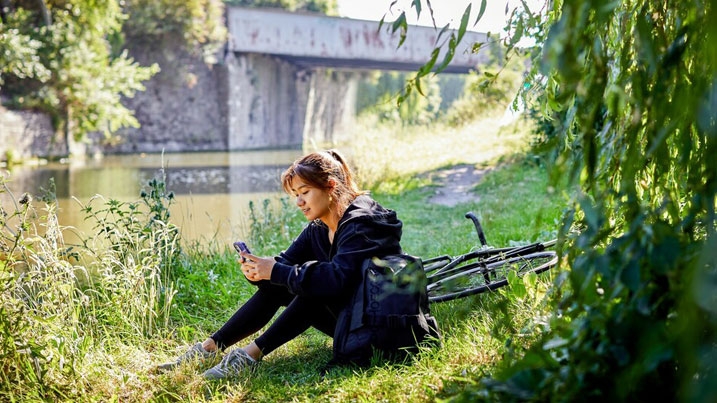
(365, 208)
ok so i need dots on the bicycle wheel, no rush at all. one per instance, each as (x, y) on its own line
(478, 277)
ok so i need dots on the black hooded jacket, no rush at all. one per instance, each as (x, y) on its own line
(314, 267)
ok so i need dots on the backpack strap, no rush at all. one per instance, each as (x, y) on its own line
(357, 307)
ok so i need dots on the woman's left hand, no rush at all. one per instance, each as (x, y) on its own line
(256, 268)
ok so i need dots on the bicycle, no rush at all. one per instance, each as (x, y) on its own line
(485, 269)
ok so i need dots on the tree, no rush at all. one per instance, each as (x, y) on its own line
(377, 92)
(57, 57)
(319, 6)
(199, 24)
(631, 90)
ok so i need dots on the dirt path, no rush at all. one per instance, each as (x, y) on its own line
(455, 185)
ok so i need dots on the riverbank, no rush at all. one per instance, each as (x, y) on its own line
(138, 304)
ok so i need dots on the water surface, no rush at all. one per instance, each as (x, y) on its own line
(212, 190)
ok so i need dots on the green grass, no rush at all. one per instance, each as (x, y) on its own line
(97, 345)
(516, 205)
(383, 153)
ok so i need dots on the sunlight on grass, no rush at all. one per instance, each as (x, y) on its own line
(389, 151)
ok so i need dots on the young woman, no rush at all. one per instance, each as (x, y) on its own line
(315, 277)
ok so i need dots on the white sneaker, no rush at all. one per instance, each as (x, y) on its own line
(195, 353)
(232, 364)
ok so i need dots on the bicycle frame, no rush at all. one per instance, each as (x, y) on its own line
(440, 267)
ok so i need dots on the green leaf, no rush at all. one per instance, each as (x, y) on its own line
(464, 24)
(401, 24)
(449, 54)
(418, 86)
(518, 34)
(483, 5)
(477, 47)
(517, 287)
(417, 5)
(443, 31)
(426, 68)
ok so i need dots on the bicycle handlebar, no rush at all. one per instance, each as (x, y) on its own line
(479, 228)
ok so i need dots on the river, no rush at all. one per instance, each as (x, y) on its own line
(212, 190)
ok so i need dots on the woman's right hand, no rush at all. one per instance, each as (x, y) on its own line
(256, 268)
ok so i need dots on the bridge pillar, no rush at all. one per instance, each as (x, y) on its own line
(272, 103)
(331, 107)
(265, 105)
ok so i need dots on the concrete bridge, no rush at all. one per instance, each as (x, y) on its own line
(294, 77)
(311, 41)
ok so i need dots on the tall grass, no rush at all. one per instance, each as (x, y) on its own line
(61, 303)
(384, 153)
(88, 322)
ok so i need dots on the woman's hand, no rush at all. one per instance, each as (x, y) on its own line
(256, 268)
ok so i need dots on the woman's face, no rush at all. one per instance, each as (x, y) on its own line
(312, 201)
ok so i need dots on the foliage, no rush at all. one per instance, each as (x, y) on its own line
(18, 56)
(626, 94)
(319, 6)
(443, 53)
(273, 228)
(39, 326)
(630, 90)
(60, 303)
(148, 220)
(646, 218)
(378, 93)
(66, 67)
(199, 22)
(493, 88)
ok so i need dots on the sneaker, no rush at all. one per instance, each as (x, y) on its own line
(195, 353)
(231, 364)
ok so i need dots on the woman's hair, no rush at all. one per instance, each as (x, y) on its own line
(317, 169)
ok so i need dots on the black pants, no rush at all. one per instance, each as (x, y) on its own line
(300, 313)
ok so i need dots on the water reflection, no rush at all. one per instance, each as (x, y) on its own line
(213, 190)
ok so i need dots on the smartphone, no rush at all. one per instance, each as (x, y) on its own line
(241, 247)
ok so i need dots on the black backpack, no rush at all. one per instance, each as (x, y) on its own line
(388, 313)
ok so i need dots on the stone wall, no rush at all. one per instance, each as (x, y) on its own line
(182, 108)
(25, 134)
(242, 102)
